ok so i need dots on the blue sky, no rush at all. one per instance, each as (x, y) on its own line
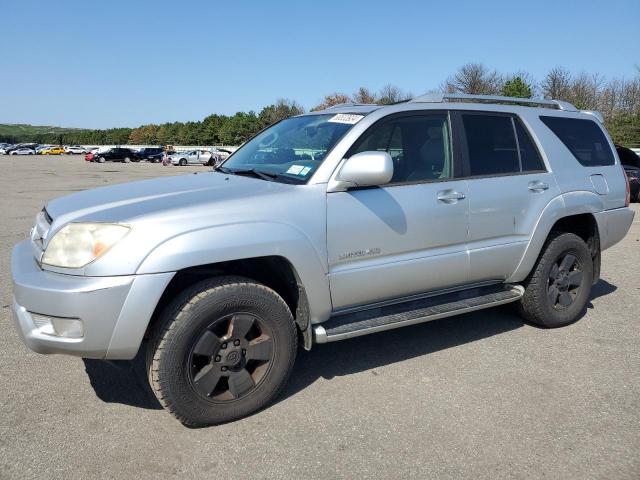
(126, 63)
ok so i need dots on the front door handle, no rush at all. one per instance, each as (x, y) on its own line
(538, 186)
(450, 196)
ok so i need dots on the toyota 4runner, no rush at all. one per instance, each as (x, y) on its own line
(323, 227)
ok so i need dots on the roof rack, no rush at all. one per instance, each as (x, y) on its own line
(496, 99)
(351, 104)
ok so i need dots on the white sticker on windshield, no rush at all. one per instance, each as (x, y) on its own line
(349, 118)
(295, 169)
(305, 170)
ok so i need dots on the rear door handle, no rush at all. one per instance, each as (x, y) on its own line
(450, 196)
(538, 186)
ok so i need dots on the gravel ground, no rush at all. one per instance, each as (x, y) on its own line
(476, 396)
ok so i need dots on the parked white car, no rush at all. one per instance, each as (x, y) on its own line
(75, 149)
(192, 157)
(23, 151)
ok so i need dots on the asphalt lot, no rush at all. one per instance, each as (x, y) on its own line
(477, 396)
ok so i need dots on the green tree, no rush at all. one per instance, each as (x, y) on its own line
(517, 87)
(624, 129)
(211, 127)
(283, 108)
(239, 128)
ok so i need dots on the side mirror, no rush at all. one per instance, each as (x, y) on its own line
(365, 169)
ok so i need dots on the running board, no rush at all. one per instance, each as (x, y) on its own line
(349, 325)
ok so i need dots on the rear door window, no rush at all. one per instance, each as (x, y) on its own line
(491, 144)
(584, 139)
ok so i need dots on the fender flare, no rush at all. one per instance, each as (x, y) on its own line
(564, 205)
(240, 241)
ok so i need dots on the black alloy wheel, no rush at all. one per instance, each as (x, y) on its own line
(565, 281)
(230, 357)
(558, 288)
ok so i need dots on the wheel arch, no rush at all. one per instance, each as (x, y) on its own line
(573, 212)
(275, 272)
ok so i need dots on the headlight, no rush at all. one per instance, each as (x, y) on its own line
(78, 244)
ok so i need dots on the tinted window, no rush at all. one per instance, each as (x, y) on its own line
(529, 155)
(583, 138)
(491, 144)
(418, 144)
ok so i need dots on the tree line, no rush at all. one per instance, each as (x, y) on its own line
(618, 99)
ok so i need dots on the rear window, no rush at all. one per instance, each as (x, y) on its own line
(583, 138)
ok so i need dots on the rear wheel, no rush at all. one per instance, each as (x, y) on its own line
(557, 291)
(223, 349)
(127, 160)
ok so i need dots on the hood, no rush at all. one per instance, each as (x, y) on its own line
(127, 202)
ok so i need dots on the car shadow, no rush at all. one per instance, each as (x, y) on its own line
(600, 289)
(379, 349)
(122, 381)
(126, 381)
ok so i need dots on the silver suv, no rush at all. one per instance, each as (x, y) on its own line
(325, 226)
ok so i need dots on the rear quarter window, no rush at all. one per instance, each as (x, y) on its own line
(584, 139)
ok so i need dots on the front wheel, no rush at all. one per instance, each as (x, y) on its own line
(182, 162)
(127, 160)
(101, 159)
(223, 349)
(557, 291)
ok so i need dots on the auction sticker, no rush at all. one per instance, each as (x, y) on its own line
(349, 118)
(295, 169)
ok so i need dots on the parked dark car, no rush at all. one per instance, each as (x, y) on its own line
(18, 146)
(116, 154)
(633, 174)
(631, 163)
(150, 154)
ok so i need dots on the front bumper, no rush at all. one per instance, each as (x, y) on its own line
(115, 311)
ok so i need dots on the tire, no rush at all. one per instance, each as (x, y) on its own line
(126, 160)
(192, 341)
(182, 162)
(557, 290)
(101, 160)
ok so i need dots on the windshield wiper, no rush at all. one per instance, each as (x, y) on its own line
(256, 173)
(269, 176)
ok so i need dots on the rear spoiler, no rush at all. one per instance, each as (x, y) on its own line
(594, 113)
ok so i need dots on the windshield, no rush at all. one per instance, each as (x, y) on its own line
(292, 149)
